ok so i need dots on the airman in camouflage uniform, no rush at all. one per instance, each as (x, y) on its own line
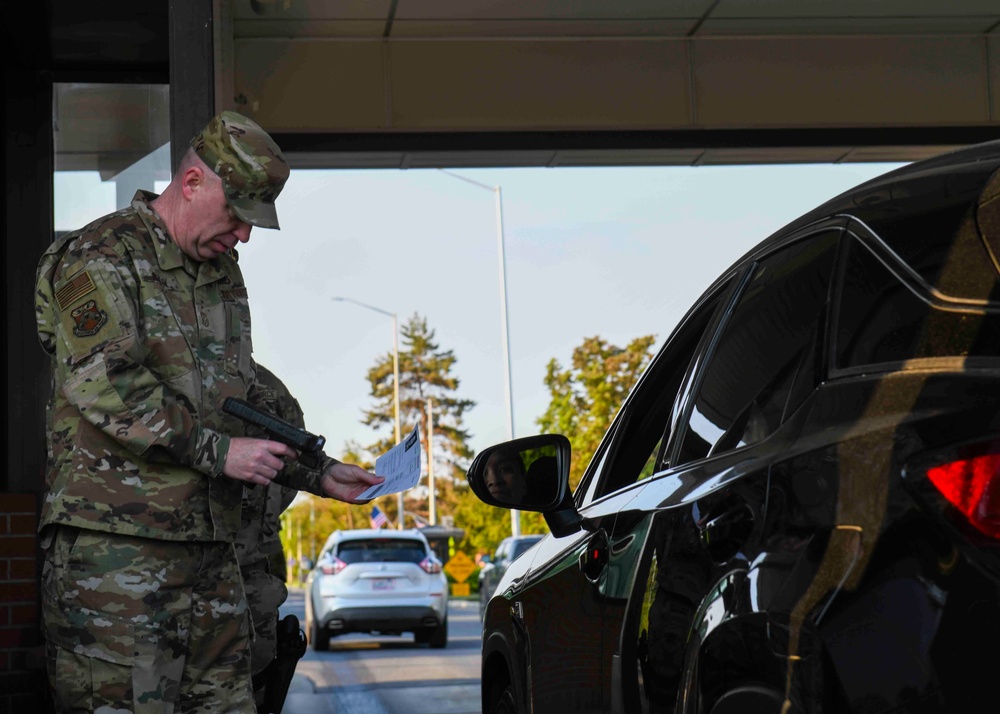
(258, 545)
(145, 315)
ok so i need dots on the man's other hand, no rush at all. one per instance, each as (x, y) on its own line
(256, 460)
(346, 482)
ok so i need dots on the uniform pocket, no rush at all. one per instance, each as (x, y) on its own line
(169, 349)
(97, 658)
(72, 603)
(84, 683)
(93, 635)
(238, 348)
(114, 664)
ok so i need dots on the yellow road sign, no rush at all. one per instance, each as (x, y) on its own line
(460, 589)
(459, 566)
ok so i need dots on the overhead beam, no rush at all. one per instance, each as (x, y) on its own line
(192, 72)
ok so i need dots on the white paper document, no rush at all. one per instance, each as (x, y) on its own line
(400, 465)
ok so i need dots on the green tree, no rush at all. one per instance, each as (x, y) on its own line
(425, 375)
(586, 396)
(309, 520)
(485, 526)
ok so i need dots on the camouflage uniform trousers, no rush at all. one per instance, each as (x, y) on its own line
(265, 593)
(141, 625)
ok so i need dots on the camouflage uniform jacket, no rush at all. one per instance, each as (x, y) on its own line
(146, 345)
(263, 505)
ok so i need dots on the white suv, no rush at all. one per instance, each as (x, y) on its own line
(377, 581)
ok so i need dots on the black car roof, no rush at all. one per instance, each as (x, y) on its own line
(960, 173)
(900, 189)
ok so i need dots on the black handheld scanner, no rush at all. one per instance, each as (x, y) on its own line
(310, 446)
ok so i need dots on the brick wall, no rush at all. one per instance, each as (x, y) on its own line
(22, 664)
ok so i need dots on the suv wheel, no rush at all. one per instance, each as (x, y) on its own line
(502, 699)
(439, 638)
(436, 637)
(319, 639)
(749, 698)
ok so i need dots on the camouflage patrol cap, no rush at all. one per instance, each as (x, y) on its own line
(250, 164)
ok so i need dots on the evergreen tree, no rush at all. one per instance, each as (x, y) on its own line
(586, 397)
(424, 375)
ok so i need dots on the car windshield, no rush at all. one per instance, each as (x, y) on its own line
(384, 550)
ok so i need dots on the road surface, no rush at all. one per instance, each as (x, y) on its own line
(364, 674)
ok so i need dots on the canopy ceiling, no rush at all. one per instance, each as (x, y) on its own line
(409, 83)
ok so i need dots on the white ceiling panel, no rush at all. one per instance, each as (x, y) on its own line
(310, 10)
(862, 26)
(539, 28)
(485, 10)
(856, 8)
(464, 68)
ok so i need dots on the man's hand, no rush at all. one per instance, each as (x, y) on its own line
(346, 482)
(255, 460)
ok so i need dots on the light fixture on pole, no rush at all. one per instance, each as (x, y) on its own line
(515, 516)
(395, 387)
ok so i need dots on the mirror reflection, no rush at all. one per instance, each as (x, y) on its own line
(506, 477)
(521, 477)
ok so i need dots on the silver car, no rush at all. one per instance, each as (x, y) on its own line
(377, 581)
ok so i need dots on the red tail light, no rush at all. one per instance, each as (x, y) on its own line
(431, 565)
(333, 567)
(972, 485)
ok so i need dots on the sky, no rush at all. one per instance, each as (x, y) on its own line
(611, 252)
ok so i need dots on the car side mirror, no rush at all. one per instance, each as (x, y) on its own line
(529, 474)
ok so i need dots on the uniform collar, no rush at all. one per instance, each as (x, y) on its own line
(169, 256)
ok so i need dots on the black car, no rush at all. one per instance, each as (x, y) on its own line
(797, 508)
(509, 550)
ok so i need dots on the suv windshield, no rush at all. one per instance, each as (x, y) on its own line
(381, 551)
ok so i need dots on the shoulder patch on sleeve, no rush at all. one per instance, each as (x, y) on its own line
(75, 289)
(88, 316)
(89, 319)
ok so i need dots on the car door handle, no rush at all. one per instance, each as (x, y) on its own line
(724, 533)
(594, 556)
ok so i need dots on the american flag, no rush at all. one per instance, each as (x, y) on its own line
(378, 518)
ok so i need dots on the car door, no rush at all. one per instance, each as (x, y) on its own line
(570, 609)
(692, 629)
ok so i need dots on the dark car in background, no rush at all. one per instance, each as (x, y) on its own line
(509, 550)
(797, 507)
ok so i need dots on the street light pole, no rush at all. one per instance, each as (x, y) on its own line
(504, 320)
(432, 496)
(395, 388)
(515, 515)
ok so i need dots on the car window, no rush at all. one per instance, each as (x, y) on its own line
(381, 551)
(767, 343)
(883, 321)
(522, 545)
(643, 426)
(926, 217)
